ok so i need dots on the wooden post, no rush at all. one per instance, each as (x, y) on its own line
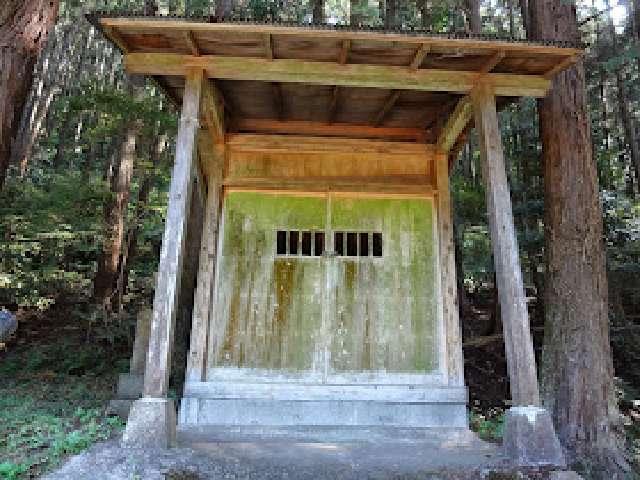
(521, 364)
(453, 339)
(213, 155)
(156, 382)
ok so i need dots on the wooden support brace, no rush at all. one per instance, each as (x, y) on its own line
(521, 364)
(455, 125)
(158, 365)
(493, 62)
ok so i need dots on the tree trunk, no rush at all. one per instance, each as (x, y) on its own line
(115, 215)
(474, 19)
(24, 28)
(224, 8)
(318, 11)
(577, 369)
(130, 249)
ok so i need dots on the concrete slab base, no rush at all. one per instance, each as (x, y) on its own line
(151, 424)
(288, 404)
(530, 439)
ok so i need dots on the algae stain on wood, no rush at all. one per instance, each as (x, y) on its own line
(382, 312)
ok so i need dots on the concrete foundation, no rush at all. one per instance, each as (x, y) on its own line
(236, 404)
(151, 424)
(530, 438)
(130, 384)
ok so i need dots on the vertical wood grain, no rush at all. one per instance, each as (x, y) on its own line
(157, 369)
(521, 364)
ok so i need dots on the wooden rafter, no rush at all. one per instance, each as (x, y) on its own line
(343, 56)
(191, 42)
(268, 46)
(334, 130)
(418, 58)
(275, 86)
(344, 52)
(493, 61)
(386, 108)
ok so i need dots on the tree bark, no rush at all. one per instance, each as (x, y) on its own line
(474, 19)
(24, 28)
(318, 11)
(577, 368)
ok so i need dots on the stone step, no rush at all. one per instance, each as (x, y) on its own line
(435, 437)
(289, 391)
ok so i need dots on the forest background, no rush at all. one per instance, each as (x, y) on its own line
(83, 191)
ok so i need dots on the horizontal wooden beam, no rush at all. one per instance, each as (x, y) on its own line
(455, 125)
(348, 130)
(325, 73)
(490, 46)
(245, 142)
(419, 186)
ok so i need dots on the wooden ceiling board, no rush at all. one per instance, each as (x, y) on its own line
(249, 99)
(304, 102)
(320, 50)
(381, 53)
(212, 43)
(360, 105)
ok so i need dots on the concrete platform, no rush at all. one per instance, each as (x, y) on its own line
(395, 451)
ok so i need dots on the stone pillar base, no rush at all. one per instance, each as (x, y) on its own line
(530, 439)
(151, 424)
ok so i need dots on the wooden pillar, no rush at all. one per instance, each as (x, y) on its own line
(213, 156)
(521, 364)
(158, 366)
(453, 340)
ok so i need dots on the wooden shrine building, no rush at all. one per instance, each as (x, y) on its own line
(326, 290)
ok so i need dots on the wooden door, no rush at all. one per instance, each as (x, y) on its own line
(327, 287)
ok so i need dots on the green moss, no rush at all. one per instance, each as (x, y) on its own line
(384, 311)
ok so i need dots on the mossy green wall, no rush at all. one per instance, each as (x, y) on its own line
(380, 313)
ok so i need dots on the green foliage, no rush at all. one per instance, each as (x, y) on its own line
(51, 234)
(489, 426)
(52, 400)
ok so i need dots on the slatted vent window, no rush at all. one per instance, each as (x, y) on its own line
(299, 243)
(358, 244)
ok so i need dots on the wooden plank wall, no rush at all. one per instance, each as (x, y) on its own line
(313, 163)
